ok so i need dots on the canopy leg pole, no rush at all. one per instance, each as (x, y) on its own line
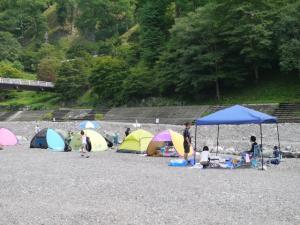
(278, 136)
(261, 144)
(218, 139)
(195, 147)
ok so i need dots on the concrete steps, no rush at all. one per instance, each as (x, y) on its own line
(287, 112)
(36, 115)
(176, 115)
(5, 115)
(265, 108)
(60, 115)
(167, 115)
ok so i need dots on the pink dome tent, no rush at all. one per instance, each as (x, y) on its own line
(7, 138)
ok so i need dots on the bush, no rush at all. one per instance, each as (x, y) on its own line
(47, 69)
(11, 70)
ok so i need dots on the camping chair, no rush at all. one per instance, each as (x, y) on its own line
(257, 151)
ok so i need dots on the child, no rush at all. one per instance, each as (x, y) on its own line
(277, 156)
(276, 152)
(205, 157)
(37, 129)
(83, 150)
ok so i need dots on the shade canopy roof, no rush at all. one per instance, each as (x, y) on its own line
(236, 115)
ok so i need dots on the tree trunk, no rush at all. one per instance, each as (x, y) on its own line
(299, 68)
(177, 11)
(256, 73)
(218, 95)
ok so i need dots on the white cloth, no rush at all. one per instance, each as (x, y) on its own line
(204, 156)
(83, 139)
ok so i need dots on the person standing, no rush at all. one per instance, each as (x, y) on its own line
(127, 131)
(37, 129)
(187, 140)
(83, 149)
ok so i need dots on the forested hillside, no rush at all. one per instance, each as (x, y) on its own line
(151, 52)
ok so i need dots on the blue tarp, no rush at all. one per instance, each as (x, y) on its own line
(236, 115)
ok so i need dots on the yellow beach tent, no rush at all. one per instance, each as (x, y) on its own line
(98, 142)
(160, 140)
(136, 142)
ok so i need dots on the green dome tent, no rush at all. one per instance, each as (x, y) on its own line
(136, 142)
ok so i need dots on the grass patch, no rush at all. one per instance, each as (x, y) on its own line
(36, 100)
(87, 100)
(99, 116)
(271, 91)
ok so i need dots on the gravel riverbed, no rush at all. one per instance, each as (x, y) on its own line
(42, 187)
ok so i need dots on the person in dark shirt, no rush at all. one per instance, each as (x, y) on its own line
(251, 151)
(127, 132)
(253, 144)
(187, 140)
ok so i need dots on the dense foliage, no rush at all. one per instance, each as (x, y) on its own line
(128, 51)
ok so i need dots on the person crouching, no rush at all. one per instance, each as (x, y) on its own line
(205, 157)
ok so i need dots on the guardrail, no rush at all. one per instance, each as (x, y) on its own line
(21, 82)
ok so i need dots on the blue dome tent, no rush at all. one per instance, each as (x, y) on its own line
(56, 142)
(50, 138)
(236, 115)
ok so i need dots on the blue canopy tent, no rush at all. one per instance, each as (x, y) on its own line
(236, 115)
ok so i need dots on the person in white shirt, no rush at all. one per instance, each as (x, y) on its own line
(83, 150)
(205, 157)
(37, 129)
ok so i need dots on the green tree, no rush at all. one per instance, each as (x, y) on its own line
(288, 34)
(249, 29)
(107, 78)
(71, 81)
(154, 25)
(139, 84)
(10, 48)
(47, 69)
(49, 51)
(196, 54)
(24, 19)
(100, 19)
(182, 7)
